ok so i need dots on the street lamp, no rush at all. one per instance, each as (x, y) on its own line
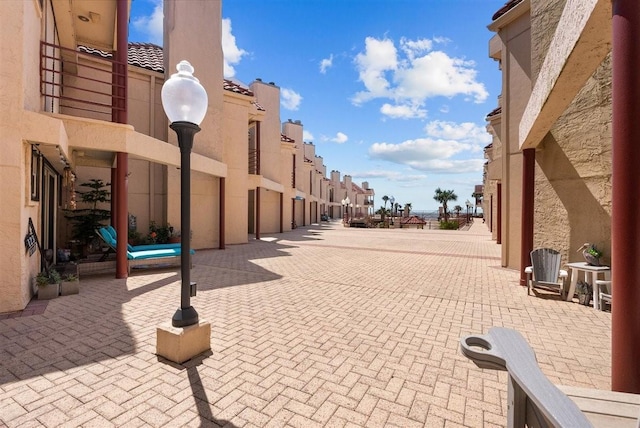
(392, 200)
(345, 204)
(185, 103)
(468, 209)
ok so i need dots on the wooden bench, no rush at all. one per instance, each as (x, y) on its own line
(533, 400)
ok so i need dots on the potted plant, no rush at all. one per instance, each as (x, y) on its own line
(91, 215)
(48, 282)
(174, 236)
(591, 254)
(70, 284)
(159, 234)
(585, 292)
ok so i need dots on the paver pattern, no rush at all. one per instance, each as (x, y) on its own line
(324, 326)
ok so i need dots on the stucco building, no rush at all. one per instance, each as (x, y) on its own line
(79, 103)
(554, 191)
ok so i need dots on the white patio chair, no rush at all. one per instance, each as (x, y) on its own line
(604, 296)
(545, 271)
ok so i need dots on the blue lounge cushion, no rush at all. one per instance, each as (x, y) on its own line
(155, 254)
(163, 250)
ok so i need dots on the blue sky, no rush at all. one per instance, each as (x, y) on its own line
(393, 92)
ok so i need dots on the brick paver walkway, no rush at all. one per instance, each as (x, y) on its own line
(323, 326)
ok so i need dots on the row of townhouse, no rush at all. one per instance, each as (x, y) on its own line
(79, 102)
(562, 167)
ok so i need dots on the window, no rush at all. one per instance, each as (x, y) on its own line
(35, 174)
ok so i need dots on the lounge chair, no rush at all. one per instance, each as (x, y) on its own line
(146, 255)
(111, 231)
(545, 267)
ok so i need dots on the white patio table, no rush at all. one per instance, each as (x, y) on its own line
(587, 270)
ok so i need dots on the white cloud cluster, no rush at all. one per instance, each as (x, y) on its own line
(151, 25)
(389, 175)
(290, 99)
(410, 79)
(325, 64)
(232, 53)
(340, 138)
(448, 148)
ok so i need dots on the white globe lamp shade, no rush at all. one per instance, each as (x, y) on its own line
(347, 200)
(183, 97)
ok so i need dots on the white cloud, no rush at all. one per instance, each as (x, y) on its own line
(307, 136)
(325, 64)
(290, 99)
(151, 25)
(380, 56)
(340, 138)
(389, 175)
(467, 132)
(448, 147)
(419, 74)
(403, 111)
(232, 53)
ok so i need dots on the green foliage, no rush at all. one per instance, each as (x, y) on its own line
(449, 225)
(90, 217)
(444, 196)
(593, 250)
(159, 234)
(69, 277)
(53, 277)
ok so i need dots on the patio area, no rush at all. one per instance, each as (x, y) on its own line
(323, 326)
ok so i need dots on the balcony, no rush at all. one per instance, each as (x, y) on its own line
(80, 83)
(254, 162)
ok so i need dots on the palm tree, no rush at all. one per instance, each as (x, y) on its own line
(383, 212)
(457, 209)
(385, 198)
(444, 196)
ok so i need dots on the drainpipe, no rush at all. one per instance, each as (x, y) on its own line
(122, 159)
(625, 226)
(526, 238)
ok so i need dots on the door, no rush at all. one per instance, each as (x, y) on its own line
(48, 201)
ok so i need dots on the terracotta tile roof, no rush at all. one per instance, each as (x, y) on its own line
(146, 55)
(286, 139)
(496, 111)
(236, 87)
(151, 57)
(506, 8)
(414, 219)
(357, 188)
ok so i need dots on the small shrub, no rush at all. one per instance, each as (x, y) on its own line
(449, 225)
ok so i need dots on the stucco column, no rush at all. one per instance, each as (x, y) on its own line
(625, 223)
(281, 212)
(120, 101)
(499, 215)
(526, 242)
(257, 212)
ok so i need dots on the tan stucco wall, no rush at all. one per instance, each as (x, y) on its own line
(236, 153)
(573, 174)
(20, 33)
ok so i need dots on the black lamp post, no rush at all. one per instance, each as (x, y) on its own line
(185, 103)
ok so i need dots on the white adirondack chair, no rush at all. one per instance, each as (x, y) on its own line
(545, 271)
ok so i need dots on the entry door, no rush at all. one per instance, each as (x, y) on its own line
(48, 200)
